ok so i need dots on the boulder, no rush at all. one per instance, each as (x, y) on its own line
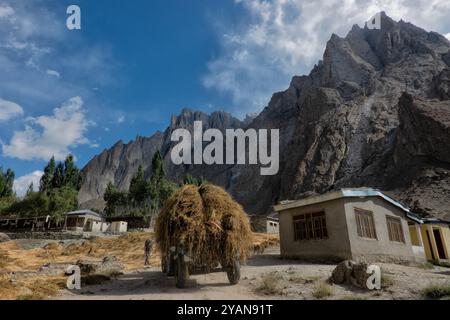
(350, 273)
(342, 272)
(88, 267)
(4, 238)
(109, 264)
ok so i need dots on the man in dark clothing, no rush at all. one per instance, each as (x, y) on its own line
(148, 251)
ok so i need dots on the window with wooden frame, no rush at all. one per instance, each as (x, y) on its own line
(311, 226)
(365, 224)
(395, 229)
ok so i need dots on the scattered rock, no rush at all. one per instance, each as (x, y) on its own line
(109, 264)
(4, 238)
(53, 269)
(351, 273)
(88, 267)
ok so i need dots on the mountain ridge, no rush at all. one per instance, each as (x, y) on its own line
(340, 126)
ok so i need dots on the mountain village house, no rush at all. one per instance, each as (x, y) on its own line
(273, 224)
(90, 221)
(85, 221)
(359, 224)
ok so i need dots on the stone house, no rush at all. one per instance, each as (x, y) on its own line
(356, 224)
(273, 224)
(85, 221)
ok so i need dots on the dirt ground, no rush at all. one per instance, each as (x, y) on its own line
(34, 269)
(31, 269)
(265, 277)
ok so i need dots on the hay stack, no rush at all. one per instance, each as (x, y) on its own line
(211, 225)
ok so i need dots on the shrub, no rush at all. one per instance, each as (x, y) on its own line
(386, 281)
(270, 284)
(322, 290)
(426, 266)
(442, 264)
(437, 291)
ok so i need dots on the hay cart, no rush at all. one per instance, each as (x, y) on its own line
(200, 230)
(176, 263)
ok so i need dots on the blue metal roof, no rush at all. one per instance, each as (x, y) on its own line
(349, 193)
(368, 192)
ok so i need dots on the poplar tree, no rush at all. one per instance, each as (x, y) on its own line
(47, 177)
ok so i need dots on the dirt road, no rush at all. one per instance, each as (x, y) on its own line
(265, 277)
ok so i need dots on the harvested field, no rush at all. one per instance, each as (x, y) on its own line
(269, 277)
(21, 276)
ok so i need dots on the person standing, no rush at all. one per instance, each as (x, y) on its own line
(148, 251)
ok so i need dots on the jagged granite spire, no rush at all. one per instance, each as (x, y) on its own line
(340, 126)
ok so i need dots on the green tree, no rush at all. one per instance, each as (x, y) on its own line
(35, 205)
(6, 183)
(71, 174)
(47, 177)
(58, 177)
(30, 189)
(61, 201)
(160, 188)
(158, 172)
(114, 199)
(189, 179)
(139, 188)
(144, 197)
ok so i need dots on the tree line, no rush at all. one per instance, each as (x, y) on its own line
(61, 182)
(6, 188)
(57, 194)
(145, 196)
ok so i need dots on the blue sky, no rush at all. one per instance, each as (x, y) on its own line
(135, 63)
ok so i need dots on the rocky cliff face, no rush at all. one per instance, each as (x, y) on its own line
(122, 161)
(346, 124)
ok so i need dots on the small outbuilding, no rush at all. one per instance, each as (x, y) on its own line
(350, 224)
(119, 227)
(273, 223)
(85, 221)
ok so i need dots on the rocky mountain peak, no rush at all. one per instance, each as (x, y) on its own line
(346, 124)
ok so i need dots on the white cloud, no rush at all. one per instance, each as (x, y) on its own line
(287, 37)
(9, 110)
(53, 73)
(37, 52)
(447, 36)
(6, 11)
(22, 184)
(121, 119)
(48, 136)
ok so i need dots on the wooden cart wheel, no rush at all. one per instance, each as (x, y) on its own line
(171, 264)
(234, 272)
(181, 272)
(164, 267)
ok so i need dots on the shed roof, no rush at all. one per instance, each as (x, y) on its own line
(347, 193)
(85, 213)
(273, 216)
(435, 221)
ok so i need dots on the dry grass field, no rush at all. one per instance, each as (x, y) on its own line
(20, 262)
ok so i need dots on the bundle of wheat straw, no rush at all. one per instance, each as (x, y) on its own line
(210, 225)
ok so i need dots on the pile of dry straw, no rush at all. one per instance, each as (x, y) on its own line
(211, 225)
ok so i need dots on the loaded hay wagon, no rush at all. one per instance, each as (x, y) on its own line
(200, 228)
